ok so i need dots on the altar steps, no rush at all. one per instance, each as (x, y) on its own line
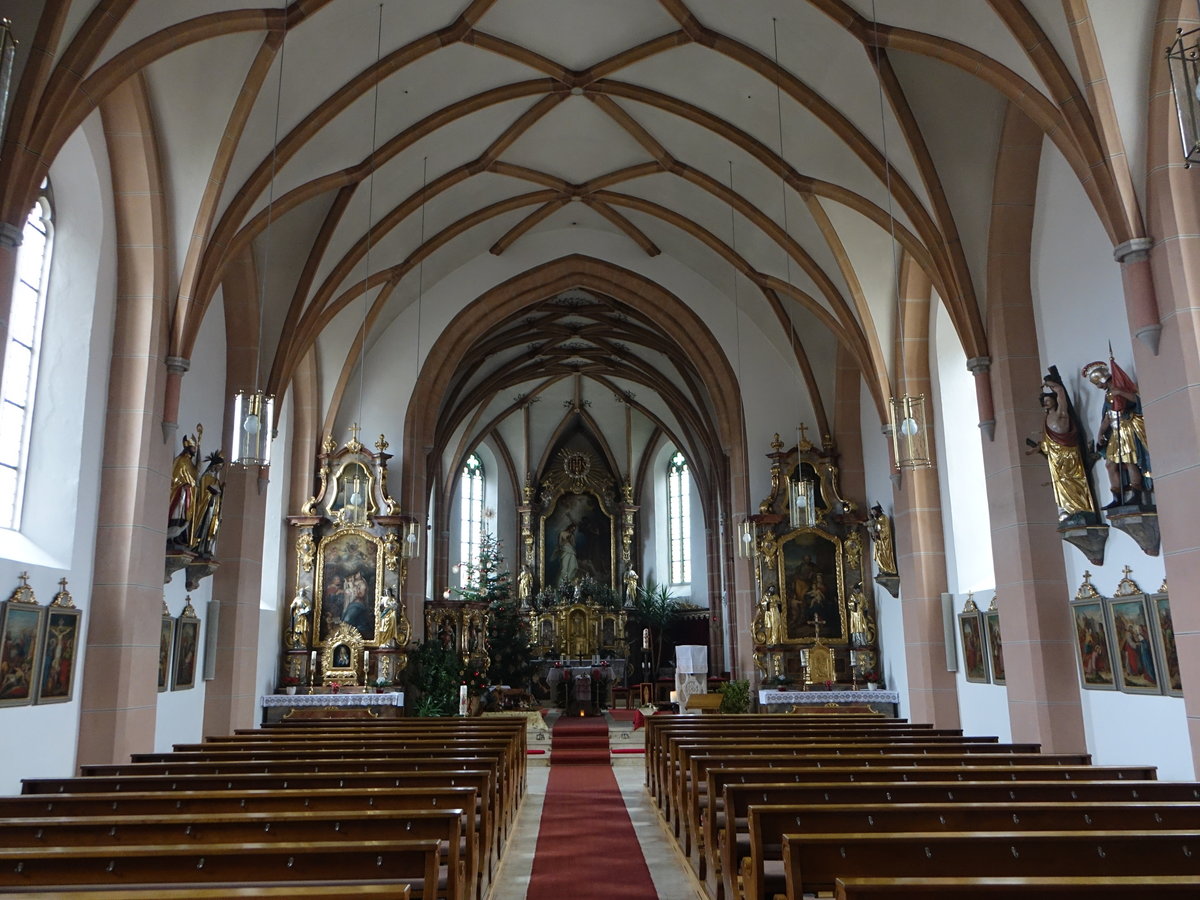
(579, 742)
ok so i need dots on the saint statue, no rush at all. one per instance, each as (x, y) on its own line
(768, 621)
(301, 609)
(206, 509)
(631, 586)
(1122, 434)
(1062, 446)
(386, 635)
(184, 471)
(882, 546)
(524, 585)
(862, 629)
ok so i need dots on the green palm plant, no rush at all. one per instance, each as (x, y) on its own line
(655, 607)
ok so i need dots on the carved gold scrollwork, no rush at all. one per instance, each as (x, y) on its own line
(306, 551)
(391, 552)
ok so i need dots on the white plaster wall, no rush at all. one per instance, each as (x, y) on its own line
(59, 531)
(1079, 305)
(274, 601)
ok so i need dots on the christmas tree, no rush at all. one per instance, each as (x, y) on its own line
(508, 631)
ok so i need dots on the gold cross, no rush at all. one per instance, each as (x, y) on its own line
(803, 433)
(817, 622)
(24, 576)
(354, 430)
(62, 583)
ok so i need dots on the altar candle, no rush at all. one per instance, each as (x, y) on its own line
(312, 663)
(366, 664)
(462, 699)
(645, 638)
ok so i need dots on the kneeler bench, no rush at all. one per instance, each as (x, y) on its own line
(815, 862)
(1128, 887)
(760, 855)
(333, 891)
(414, 863)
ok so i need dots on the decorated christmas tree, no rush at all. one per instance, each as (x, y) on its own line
(508, 632)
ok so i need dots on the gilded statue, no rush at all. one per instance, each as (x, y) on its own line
(862, 629)
(184, 472)
(1122, 434)
(386, 633)
(882, 546)
(524, 585)
(301, 612)
(768, 622)
(631, 586)
(206, 510)
(1062, 446)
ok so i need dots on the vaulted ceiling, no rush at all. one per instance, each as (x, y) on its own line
(366, 151)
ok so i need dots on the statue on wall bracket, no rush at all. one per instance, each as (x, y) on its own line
(194, 511)
(1121, 438)
(1069, 457)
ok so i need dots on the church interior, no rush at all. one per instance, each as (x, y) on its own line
(848, 343)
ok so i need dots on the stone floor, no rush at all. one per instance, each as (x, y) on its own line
(673, 877)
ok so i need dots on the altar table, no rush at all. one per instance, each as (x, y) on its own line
(277, 706)
(886, 700)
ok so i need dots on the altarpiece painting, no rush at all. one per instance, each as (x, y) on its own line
(348, 564)
(810, 567)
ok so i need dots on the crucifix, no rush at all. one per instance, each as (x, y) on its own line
(803, 430)
(354, 430)
(816, 621)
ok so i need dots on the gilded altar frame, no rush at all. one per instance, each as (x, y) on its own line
(579, 630)
(583, 518)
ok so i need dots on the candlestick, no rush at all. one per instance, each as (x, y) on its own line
(366, 664)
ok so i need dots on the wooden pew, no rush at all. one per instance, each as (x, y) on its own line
(196, 830)
(691, 795)
(237, 865)
(729, 844)
(336, 891)
(1128, 887)
(762, 871)
(482, 780)
(815, 862)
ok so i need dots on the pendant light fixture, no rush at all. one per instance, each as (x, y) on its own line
(746, 544)
(1183, 63)
(411, 547)
(908, 419)
(254, 411)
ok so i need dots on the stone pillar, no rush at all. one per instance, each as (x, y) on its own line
(1027, 551)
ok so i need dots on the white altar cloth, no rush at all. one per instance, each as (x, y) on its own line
(820, 698)
(392, 698)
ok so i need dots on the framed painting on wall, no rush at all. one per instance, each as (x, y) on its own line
(1138, 668)
(187, 642)
(1164, 629)
(59, 651)
(166, 640)
(20, 630)
(810, 565)
(995, 645)
(975, 663)
(1093, 645)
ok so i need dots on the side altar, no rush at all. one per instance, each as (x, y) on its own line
(345, 623)
(815, 621)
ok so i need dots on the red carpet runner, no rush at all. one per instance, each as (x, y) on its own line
(579, 742)
(586, 847)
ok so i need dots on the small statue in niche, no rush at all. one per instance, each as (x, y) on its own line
(301, 610)
(1122, 435)
(1062, 445)
(862, 629)
(206, 511)
(882, 546)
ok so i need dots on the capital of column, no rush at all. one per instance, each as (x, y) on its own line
(177, 365)
(10, 235)
(1133, 250)
(979, 365)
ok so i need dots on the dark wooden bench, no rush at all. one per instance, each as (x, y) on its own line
(1127, 887)
(414, 863)
(292, 827)
(728, 844)
(336, 890)
(815, 862)
(762, 871)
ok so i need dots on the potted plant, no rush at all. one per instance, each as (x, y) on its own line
(735, 696)
(381, 684)
(290, 683)
(872, 680)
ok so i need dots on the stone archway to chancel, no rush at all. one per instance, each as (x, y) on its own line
(702, 390)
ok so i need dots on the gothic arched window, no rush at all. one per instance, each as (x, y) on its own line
(679, 519)
(471, 524)
(21, 357)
